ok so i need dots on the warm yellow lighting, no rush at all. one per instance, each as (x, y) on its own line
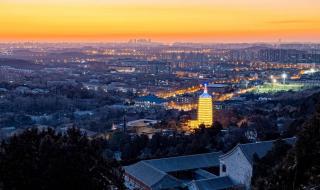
(205, 115)
(205, 112)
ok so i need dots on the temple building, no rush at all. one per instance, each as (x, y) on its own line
(205, 115)
(207, 171)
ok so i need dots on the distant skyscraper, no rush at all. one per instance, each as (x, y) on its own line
(205, 112)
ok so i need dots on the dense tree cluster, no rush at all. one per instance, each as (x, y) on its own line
(47, 160)
(59, 98)
(58, 105)
(295, 168)
(141, 147)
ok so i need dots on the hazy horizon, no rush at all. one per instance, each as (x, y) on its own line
(160, 42)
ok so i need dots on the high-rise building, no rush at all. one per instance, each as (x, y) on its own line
(205, 115)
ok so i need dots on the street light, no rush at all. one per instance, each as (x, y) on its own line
(284, 76)
(271, 77)
(274, 81)
(247, 83)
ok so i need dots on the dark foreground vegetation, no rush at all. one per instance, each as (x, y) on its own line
(47, 160)
(291, 168)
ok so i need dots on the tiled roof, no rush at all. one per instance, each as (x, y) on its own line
(150, 176)
(205, 95)
(186, 162)
(260, 148)
(154, 172)
(204, 174)
(214, 183)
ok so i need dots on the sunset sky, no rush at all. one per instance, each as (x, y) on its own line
(160, 20)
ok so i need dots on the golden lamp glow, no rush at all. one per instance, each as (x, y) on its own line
(160, 20)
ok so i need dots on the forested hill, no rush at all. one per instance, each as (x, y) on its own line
(296, 167)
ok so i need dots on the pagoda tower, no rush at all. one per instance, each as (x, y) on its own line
(205, 115)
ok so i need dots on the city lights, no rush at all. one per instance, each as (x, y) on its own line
(271, 77)
(284, 76)
(274, 81)
(160, 94)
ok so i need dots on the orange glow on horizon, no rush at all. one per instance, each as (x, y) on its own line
(202, 20)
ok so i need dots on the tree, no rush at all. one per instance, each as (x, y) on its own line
(307, 153)
(47, 160)
(299, 168)
(265, 166)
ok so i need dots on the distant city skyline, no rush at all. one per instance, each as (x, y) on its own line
(163, 21)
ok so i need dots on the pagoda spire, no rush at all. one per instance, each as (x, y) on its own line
(205, 88)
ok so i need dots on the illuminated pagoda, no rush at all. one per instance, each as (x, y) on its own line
(205, 115)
